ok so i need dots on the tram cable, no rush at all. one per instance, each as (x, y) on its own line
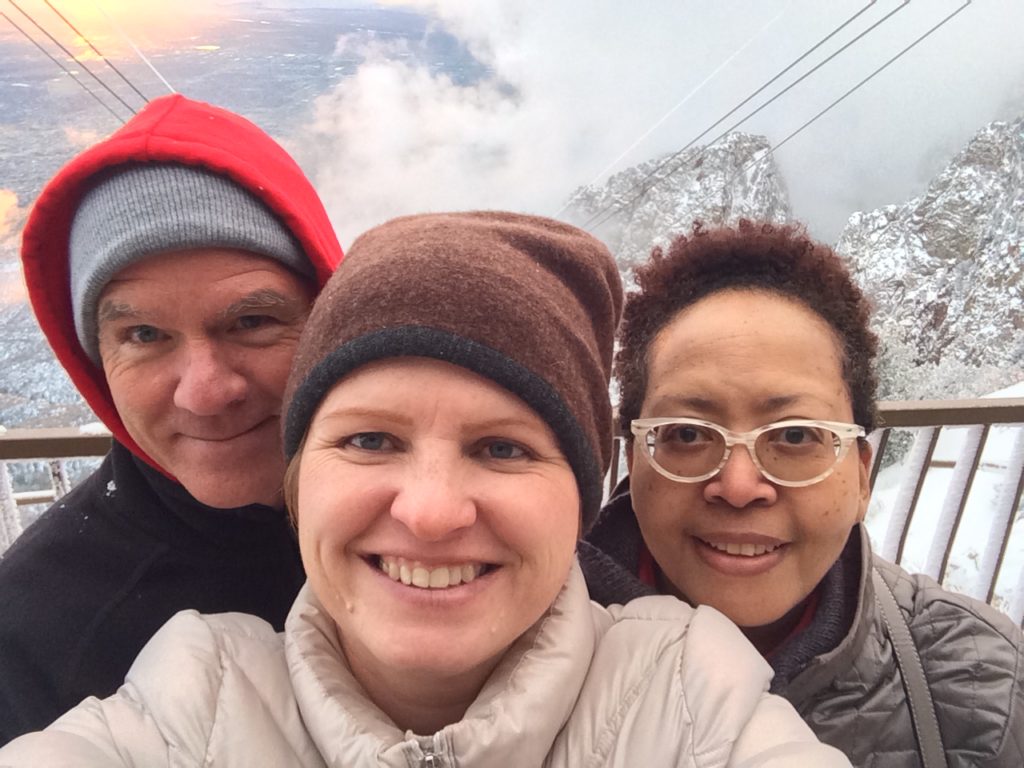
(648, 182)
(61, 64)
(768, 152)
(134, 47)
(96, 50)
(74, 58)
(726, 62)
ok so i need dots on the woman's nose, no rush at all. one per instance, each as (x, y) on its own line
(740, 483)
(434, 500)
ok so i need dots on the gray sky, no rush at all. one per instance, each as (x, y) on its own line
(577, 82)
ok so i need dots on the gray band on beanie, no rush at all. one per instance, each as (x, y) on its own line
(141, 210)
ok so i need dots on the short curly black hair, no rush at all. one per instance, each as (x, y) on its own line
(780, 259)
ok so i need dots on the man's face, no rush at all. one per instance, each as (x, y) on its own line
(196, 347)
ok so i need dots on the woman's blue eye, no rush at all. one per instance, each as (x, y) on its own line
(500, 449)
(370, 441)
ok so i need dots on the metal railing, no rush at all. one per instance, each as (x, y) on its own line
(938, 449)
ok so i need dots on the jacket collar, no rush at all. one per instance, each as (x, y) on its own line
(147, 499)
(820, 670)
(533, 689)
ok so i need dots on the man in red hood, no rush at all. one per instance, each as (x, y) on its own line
(171, 268)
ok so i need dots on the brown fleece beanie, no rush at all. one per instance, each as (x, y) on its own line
(527, 302)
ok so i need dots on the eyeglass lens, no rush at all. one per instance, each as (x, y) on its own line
(791, 453)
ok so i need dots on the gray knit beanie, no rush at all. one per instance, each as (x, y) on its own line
(141, 210)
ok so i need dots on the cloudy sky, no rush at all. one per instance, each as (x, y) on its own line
(577, 89)
(581, 88)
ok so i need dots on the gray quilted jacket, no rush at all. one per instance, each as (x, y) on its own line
(840, 673)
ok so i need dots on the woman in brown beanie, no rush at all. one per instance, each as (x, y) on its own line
(448, 426)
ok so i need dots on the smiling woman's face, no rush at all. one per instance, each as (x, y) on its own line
(437, 517)
(743, 359)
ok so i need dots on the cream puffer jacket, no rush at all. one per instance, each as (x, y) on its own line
(654, 683)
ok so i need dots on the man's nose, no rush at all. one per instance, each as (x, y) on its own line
(740, 483)
(433, 500)
(208, 382)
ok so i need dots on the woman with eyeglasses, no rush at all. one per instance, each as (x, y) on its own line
(747, 380)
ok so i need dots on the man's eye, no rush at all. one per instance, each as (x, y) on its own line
(252, 322)
(371, 441)
(144, 334)
(503, 449)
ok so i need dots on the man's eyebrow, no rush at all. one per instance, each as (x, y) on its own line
(110, 311)
(264, 299)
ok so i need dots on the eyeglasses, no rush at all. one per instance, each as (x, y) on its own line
(793, 453)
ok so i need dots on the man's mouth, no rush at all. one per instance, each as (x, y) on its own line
(413, 573)
(224, 437)
(742, 550)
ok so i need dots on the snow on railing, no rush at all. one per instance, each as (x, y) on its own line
(916, 470)
(10, 518)
(950, 507)
(964, 472)
(1003, 518)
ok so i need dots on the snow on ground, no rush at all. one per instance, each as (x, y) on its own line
(984, 517)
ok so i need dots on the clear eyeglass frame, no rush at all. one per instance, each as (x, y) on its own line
(847, 434)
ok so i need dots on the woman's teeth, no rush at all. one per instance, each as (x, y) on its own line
(415, 574)
(744, 550)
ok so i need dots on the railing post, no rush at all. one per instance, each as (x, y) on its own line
(1002, 521)
(59, 477)
(903, 507)
(964, 472)
(10, 518)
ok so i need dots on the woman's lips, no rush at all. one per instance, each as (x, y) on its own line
(740, 555)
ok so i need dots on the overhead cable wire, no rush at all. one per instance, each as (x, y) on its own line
(61, 64)
(96, 50)
(134, 47)
(74, 58)
(686, 98)
(607, 213)
(610, 211)
(768, 152)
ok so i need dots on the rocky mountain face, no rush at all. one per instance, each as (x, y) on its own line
(645, 205)
(946, 269)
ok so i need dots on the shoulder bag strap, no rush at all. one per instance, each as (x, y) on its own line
(919, 695)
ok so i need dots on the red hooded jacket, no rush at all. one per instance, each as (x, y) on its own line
(171, 129)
